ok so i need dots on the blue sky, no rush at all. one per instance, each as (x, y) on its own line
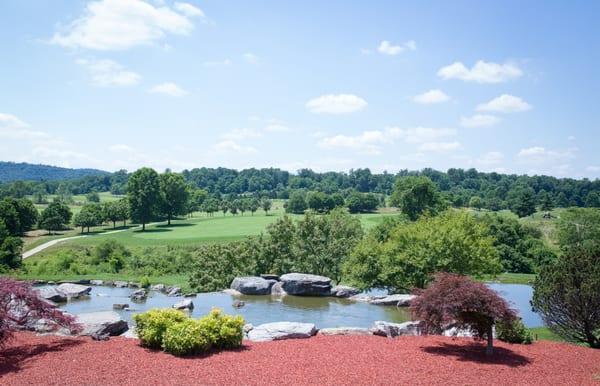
(509, 86)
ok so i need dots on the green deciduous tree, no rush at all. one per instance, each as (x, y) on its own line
(522, 202)
(266, 204)
(143, 193)
(90, 215)
(412, 252)
(567, 293)
(10, 249)
(174, 195)
(56, 216)
(296, 203)
(416, 195)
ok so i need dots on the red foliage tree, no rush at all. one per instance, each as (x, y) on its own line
(21, 306)
(458, 301)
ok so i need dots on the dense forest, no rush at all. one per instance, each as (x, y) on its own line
(459, 186)
(11, 171)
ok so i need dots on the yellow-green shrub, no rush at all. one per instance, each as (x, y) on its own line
(185, 338)
(222, 331)
(151, 325)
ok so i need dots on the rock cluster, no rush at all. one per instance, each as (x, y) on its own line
(299, 284)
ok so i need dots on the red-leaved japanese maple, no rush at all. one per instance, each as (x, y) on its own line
(458, 301)
(21, 306)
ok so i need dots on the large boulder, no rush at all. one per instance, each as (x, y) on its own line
(252, 285)
(281, 330)
(391, 330)
(96, 282)
(303, 284)
(120, 284)
(185, 304)
(158, 287)
(173, 291)
(344, 291)
(52, 294)
(72, 290)
(345, 331)
(277, 289)
(103, 323)
(398, 300)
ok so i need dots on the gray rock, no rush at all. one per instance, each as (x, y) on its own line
(344, 291)
(132, 284)
(252, 285)
(139, 295)
(232, 292)
(72, 290)
(277, 289)
(120, 284)
(458, 332)
(173, 291)
(158, 287)
(238, 304)
(302, 284)
(391, 330)
(130, 334)
(120, 306)
(268, 276)
(361, 298)
(345, 331)
(281, 330)
(190, 295)
(52, 294)
(102, 323)
(39, 282)
(185, 304)
(398, 300)
(96, 282)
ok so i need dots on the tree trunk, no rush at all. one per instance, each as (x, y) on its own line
(489, 350)
(169, 219)
(114, 224)
(143, 226)
(88, 229)
(82, 229)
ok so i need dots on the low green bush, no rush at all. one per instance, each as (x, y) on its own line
(145, 282)
(185, 338)
(151, 325)
(514, 332)
(223, 331)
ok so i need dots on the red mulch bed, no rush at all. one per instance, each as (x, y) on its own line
(36, 360)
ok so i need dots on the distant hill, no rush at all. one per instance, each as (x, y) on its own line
(11, 171)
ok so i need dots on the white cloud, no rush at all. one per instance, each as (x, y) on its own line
(431, 97)
(240, 134)
(189, 10)
(491, 158)
(251, 58)
(505, 104)
(169, 88)
(229, 146)
(122, 24)
(387, 48)
(479, 120)
(371, 142)
(11, 127)
(541, 155)
(439, 146)
(481, 72)
(108, 73)
(336, 104)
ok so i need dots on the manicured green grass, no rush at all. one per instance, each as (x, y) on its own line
(510, 278)
(544, 333)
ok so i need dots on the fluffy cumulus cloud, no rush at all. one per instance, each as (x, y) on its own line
(481, 72)
(539, 153)
(336, 104)
(230, 146)
(11, 127)
(491, 158)
(122, 24)
(388, 48)
(431, 97)
(372, 142)
(108, 73)
(479, 120)
(169, 89)
(505, 103)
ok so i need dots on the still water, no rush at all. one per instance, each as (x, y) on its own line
(322, 311)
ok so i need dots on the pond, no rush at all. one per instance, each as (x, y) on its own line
(322, 311)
